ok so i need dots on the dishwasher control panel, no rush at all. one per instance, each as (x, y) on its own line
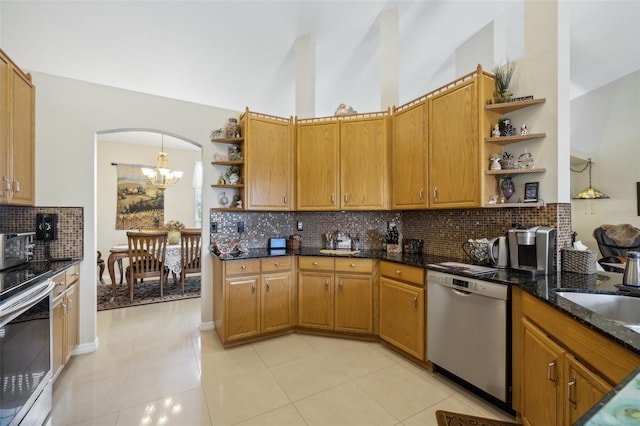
(471, 285)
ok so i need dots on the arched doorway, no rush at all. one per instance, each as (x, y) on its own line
(140, 146)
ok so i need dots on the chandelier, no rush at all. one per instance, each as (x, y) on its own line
(589, 193)
(162, 176)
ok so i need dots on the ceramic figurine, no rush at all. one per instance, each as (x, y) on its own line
(496, 131)
(523, 130)
(495, 162)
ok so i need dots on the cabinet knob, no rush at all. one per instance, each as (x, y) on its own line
(315, 263)
(353, 265)
(60, 283)
(398, 271)
(243, 267)
(75, 274)
(276, 264)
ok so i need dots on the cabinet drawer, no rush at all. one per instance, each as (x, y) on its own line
(280, 263)
(397, 271)
(243, 266)
(315, 263)
(72, 274)
(60, 282)
(354, 265)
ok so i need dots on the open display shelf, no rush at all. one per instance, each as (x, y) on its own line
(507, 107)
(504, 172)
(505, 140)
(223, 165)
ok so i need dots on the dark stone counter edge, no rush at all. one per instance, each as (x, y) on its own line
(543, 287)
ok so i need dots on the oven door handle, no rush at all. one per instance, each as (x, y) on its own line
(19, 308)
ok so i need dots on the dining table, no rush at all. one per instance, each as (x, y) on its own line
(121, 251)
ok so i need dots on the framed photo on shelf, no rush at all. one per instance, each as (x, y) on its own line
(531, 192)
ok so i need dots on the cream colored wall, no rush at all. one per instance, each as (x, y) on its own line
(178, 199)
(605, 127)
(69, 115)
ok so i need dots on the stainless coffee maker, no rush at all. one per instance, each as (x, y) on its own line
(531, 250)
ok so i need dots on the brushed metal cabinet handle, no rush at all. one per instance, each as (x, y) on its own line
(551, 365)
(571, 385)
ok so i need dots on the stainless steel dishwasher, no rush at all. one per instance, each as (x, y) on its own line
(468, 328)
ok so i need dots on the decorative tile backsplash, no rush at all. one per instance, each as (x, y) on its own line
(70, 229)
(443, 231)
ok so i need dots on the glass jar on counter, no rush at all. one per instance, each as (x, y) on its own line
(233, 130)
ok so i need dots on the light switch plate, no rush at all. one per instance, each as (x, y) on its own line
(299, 226)
(240, 227)
(214, 227)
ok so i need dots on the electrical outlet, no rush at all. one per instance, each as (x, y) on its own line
(214, 227)
(299, 225)
(240, 227)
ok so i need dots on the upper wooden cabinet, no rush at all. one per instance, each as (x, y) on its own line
(17, 134)
(318, 165)
(454, 148)
(269, 143)
(363, 162)
(408, 154)
(342, 163)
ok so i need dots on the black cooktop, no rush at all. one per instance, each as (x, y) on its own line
(20, 278)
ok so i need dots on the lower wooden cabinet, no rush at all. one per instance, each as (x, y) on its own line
(561, 368)
(402, 307)
(336, 294)
(252, 297)
(65, 319)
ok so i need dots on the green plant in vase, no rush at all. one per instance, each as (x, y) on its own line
(504, 74)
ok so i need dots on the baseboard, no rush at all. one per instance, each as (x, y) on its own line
(86, 348)
(206, 326)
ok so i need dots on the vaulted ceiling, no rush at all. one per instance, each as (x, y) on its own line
(241, 53)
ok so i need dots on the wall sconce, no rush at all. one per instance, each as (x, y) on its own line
(589, 193)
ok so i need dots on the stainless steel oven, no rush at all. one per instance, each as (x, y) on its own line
(25, 347)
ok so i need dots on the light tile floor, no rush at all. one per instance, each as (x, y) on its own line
(155, 367)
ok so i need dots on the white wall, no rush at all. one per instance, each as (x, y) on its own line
(179, 199)
(605, 126)
(68, 115)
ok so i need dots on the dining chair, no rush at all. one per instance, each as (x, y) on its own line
(190, 253)
(147, 250)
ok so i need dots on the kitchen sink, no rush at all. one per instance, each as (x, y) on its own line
(620, 308)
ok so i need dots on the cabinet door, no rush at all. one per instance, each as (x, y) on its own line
(276, 301)
(402, 316)
(23, 137)
(315, 299)
(541, 377)
(58, 345)
(454, 148)
(269, 164)
(71, 341)
(5, 153)
(584, 389)
(242, 306)
(317, 166)
(354, 303)
(409, 158)
(363, 164)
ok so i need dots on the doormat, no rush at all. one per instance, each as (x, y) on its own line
(146, 293)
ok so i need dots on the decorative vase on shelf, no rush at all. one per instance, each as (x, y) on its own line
(507, 187)
(173, 237)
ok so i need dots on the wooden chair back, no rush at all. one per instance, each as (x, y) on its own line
(147, 251)
(191, 249)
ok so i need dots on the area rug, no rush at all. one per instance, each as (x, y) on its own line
(146, 293)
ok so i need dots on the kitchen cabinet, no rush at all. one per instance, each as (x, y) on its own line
(363, 162)
(335, 294)
(249, 303)
(402, 307)
(235, 188)
(454, 149)
(65, 319)
(318, 165)
(408, 156)
(269, 144)
(560, 367)
(342, 163)
(17, 134)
